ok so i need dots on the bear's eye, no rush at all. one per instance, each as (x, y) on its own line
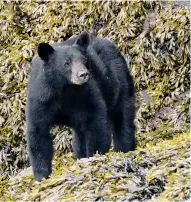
(67, 63)
(84, 60)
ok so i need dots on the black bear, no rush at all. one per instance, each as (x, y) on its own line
(82, 83)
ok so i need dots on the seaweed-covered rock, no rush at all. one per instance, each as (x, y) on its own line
(154, 172)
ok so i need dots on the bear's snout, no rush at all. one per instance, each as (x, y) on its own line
(84, 75)
(80, 73)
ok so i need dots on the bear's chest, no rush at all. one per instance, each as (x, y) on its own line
(74, 99)
(73, 113)
(73, 106)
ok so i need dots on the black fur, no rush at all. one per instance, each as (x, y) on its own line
(106, 100)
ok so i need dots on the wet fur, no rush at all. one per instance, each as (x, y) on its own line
(92, 110)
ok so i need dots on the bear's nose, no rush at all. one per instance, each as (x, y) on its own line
(84, 75)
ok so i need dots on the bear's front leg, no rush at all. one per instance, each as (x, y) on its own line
(39, 141)
(40, 151)
(98, 135)
(78, 144)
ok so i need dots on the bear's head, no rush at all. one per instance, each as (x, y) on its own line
(66, 63)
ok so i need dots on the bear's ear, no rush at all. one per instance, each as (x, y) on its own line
(44, 51)
(83, 40)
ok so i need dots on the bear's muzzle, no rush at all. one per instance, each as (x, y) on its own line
(80, 73)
